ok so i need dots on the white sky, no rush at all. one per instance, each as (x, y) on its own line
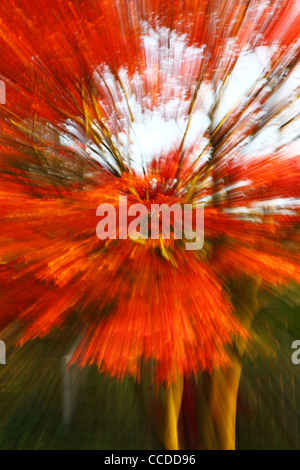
(158, 127)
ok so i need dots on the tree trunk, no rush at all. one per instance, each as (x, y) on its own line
(217, 407)
(218, 398)
(169, 429)
(161, 407)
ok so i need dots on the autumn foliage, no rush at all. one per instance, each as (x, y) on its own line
(73, 71)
